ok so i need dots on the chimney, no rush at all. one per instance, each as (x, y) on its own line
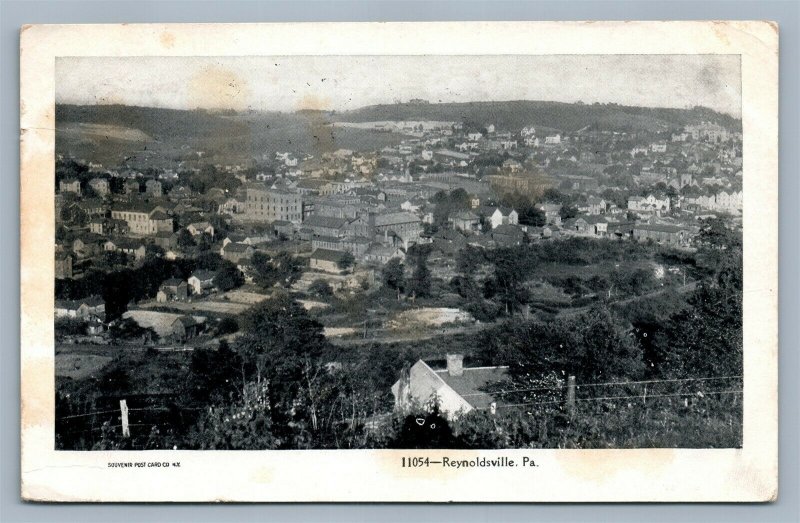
(455, 364)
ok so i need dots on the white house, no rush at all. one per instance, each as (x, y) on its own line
(650, 203)
(200, 281)
(198, 228)
(501, 216)
(456, 389)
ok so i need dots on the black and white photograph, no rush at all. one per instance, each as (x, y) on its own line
(404, 252)
(401, 262)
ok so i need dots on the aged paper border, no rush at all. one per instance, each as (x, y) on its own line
(747, 474)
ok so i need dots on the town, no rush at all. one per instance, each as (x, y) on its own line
(322, 293)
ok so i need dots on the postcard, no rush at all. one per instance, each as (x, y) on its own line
(396, 262)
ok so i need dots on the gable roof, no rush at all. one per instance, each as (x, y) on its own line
(237, 247)
(395, 218)
(509, 230)
(202, 275)
(91, 301)
(327, 255)
(330, 222)
(471, 382)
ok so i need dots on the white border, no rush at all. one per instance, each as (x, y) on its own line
(748, 474)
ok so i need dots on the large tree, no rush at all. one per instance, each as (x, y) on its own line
(394, 276)
(282, 346)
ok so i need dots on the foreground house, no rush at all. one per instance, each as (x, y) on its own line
(458, 390)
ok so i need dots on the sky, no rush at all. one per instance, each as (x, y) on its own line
(290, 83)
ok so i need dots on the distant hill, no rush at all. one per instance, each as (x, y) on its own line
(115, 134)
(153, 121)
(103, 133)
(569, 117)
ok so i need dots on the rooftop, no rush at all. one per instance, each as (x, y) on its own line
(472, 383)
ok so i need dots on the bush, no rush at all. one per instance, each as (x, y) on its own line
(320, 288)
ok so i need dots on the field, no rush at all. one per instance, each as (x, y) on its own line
(104, 131)
(79, 365)
(233, 303)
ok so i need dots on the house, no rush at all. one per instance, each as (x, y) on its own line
(507, 235)
(63, 266)
(283, 228)
(166, 240)
(577, 225)
(405, 225)
(355, 245)
(327, 260)
(198, 228)
(83, 308)
(456, 389)
(130, 247)
(180, 193)
(108, 226)
(497, 216)
(665, 234)
(153, 188)
(595, 206)
(186, 328)
(88, 245)
(201, 281)
(512, 166)
(100, 186)
(596, 226)
(649, 203)
(466, 221)
(552, 213)
(325, 225)
(378, 253)
(543, 233)
(95, 326)
(91, 207)
(235, 251)
(70, 185)
(620, 229)
(172, 290)
(230, 206)
(553, 139)
(452, 158)
(143, 219)
(132, 187)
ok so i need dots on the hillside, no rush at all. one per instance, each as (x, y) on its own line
(117, 134)
(104, 133)
(567, 117)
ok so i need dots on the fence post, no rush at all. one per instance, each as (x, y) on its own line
(571, 394)
(126, 430)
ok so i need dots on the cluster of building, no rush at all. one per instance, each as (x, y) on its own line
(370, 207)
